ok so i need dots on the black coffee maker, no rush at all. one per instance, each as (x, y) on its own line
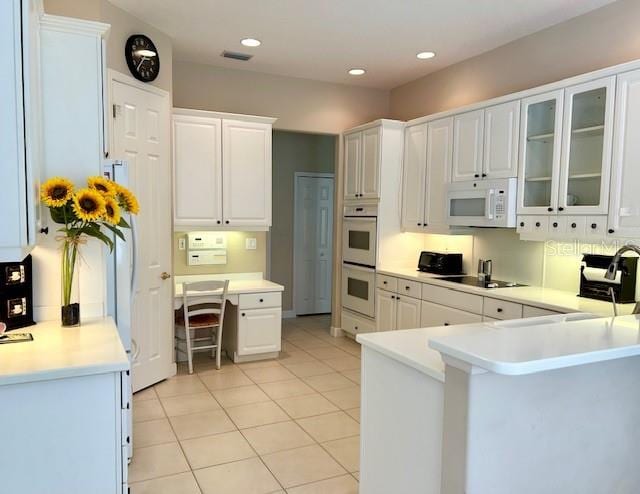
(16, 294)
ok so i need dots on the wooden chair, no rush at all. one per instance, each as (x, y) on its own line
(203, 306)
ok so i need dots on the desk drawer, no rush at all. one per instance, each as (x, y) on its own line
(260, 300)
(452, 298)
(409, 288)
(500, 309)
(388, 283)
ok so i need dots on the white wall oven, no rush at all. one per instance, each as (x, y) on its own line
(359, 236)
(486, 203)
(358, 289)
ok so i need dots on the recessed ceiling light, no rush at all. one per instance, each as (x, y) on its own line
(424, 55)
(252, 42)
(357, 71)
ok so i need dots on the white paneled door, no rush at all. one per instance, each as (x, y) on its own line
(313, 242)
(141, 137)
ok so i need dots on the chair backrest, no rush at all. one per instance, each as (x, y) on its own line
(204, 297)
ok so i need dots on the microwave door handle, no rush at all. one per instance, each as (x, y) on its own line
(489, 208)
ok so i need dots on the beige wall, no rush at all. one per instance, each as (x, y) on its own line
(239, 260)
(299, 104)
(292, 152)
(601, 38)
(123, 25)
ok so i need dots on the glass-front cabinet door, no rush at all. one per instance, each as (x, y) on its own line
(586, 148)
(539, 163)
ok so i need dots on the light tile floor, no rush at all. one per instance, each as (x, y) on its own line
(289, 425)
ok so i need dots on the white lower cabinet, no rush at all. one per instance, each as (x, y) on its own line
(354, 324)
(259, 331)
(501, 309)
(439, 315)
(394, 311)
(529, 311)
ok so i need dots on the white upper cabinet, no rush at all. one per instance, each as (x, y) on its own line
(197, 155)
(18, 144)
(428, 150)
(539, 163)
(352, 151)
(370, 164)
(222, 170)
(439, 157)
(414, 176)
(246, 173)
(585, 166)
(468, 136)
(501, 125)
(624, 209)
(362, 164)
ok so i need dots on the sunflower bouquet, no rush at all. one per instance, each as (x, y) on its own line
(84, 213)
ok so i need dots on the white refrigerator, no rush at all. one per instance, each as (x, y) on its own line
(121, 282)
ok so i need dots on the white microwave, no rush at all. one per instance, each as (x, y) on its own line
(485, 203)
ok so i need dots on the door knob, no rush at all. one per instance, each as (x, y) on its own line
(165, 275)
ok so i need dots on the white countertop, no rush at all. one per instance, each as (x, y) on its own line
(545, 298)
(526, 348)
(237, 284)
(57, 352)
(411, 346)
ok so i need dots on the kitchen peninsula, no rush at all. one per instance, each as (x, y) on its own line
(548, 404)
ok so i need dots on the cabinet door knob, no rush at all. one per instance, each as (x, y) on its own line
(538, 224)
(476, 175)
(484, 175)
(165, 276)
(261, 300)
(555, 224)
(560, 208)
(356, 328)
(219, 222)
(446, 323)
(227, 222)
(594, 226)
(384, 282)
(397, 298)
(243, 314)
(610, 230)
(549, 209)
(407, 288)
(419, 224)
(45, 230)
(573, 225)
(393, 297)
(499, 309)
(521, 223)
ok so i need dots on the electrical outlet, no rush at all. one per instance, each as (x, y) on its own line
(251, 244)
(182, 243)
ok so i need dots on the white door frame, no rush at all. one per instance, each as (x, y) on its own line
(114, 76)
(295, 225)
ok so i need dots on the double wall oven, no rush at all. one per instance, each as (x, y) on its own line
(359, 252)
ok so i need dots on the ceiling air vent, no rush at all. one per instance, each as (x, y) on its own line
(236, 55)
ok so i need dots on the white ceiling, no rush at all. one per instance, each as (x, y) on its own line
(322, 39)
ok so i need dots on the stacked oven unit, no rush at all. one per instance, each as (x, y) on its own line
(371, 232)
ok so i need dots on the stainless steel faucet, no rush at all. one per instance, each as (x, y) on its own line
(612, 271)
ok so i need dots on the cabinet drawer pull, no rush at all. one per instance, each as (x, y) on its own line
(227, 222)
(261, 300)
(611, 230)
(538, 224)
(484, 175)
(549, 209)
(446, 324)
(219, 222)
(476, 175)
(499, 309)
(419, 224)
(594, 226)
(384, 282)
(573, 225)
(407, 288)
(243, 314)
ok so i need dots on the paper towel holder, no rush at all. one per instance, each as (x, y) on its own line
(593, 283)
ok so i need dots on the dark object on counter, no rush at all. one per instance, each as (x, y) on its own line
(70, 314)
(440, 263)
(16, 294)
(593, 283)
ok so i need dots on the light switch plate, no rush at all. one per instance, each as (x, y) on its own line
(182, 243)
(251, 244)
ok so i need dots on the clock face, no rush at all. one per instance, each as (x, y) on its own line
(142, 57)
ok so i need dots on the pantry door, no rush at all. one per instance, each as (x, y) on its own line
(141, 122)
(313, 243)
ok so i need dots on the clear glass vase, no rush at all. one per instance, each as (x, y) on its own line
(70, 303)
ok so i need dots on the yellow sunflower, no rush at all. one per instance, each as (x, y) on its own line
(112, 210)
(102, 185)
(89, 204)
(127, 200)
(56, 191)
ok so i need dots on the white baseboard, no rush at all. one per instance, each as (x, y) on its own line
(288, 314)
(336, 332)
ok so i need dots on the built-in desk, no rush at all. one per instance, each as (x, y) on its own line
(252, 327)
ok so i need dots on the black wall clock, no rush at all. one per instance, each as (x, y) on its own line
(142, 57)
